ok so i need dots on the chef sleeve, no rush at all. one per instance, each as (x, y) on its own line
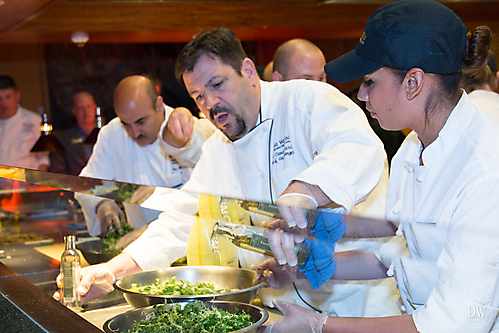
(345, 149)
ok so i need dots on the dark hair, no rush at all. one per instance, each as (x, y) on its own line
(449, 89)
(476, 73)
(218, 43)
(7, 82)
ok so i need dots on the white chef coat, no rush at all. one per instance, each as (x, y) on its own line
(307, 131)
(18, 135)
(117, 157)
(488, 100)
(448, 211)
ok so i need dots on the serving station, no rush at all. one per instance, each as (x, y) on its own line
(35, 215)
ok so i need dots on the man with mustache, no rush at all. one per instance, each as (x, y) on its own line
(128, 149)
(298, 140)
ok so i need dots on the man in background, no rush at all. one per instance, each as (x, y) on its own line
(299, 59)
(75, 157)
(128, 150)
(19, 130)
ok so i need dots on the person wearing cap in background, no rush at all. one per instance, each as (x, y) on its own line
(480, 77)
(75, 157)
(19, 130)
(444, 180)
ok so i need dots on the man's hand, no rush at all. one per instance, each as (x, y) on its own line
(179, 128)
(276, 276)
(299, 196)
(282, 240)
(109, 215)
(95, 281)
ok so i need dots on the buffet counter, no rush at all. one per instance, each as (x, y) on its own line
(33, 222)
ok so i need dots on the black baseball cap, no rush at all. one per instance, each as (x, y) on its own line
(403, 35)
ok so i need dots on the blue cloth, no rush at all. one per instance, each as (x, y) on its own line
(321, 264)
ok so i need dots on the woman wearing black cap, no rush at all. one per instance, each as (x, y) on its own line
(444, 184)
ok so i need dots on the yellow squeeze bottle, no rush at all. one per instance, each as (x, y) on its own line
(199, 249)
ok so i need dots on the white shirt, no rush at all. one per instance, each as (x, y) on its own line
(488, 100)
(18, 135)
(117, 157)
(307, 131)
(448, 211)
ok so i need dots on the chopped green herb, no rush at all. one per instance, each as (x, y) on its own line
(177, 287)
(112, 237)
(126, 190)
(193, 318)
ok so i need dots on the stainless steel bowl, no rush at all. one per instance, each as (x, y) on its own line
(127, 320)
(222, 277)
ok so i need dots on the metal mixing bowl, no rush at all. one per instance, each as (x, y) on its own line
(127, 320)
(222, 277)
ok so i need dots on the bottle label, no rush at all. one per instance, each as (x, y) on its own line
(260, 242)
(69, 275)
(271, 208)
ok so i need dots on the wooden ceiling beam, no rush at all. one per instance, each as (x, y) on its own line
(14, 14)
(177, 21)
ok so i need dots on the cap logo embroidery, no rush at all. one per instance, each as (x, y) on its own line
(362, 38)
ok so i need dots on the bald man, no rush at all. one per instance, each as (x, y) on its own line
(128, 149)
(75, 157)
(299, 59)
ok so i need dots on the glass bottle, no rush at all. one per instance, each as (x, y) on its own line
(253, 239)
(70, 269)
(257, 207)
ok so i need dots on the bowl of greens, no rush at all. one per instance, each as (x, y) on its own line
(193, 317)
(187, 284)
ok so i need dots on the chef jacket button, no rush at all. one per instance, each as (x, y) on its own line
(252, 267)
(410, 169)
(402, 308)
(395, 211)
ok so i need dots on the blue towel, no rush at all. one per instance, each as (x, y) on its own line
(321, 264)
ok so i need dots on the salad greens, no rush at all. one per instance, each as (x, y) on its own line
(126, 190)
(112, 237)
(193, 318)
(178, 287)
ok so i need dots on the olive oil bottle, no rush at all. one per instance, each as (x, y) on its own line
(253, 239)
(70, 269)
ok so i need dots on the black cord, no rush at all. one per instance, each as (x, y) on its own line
(296, 289)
